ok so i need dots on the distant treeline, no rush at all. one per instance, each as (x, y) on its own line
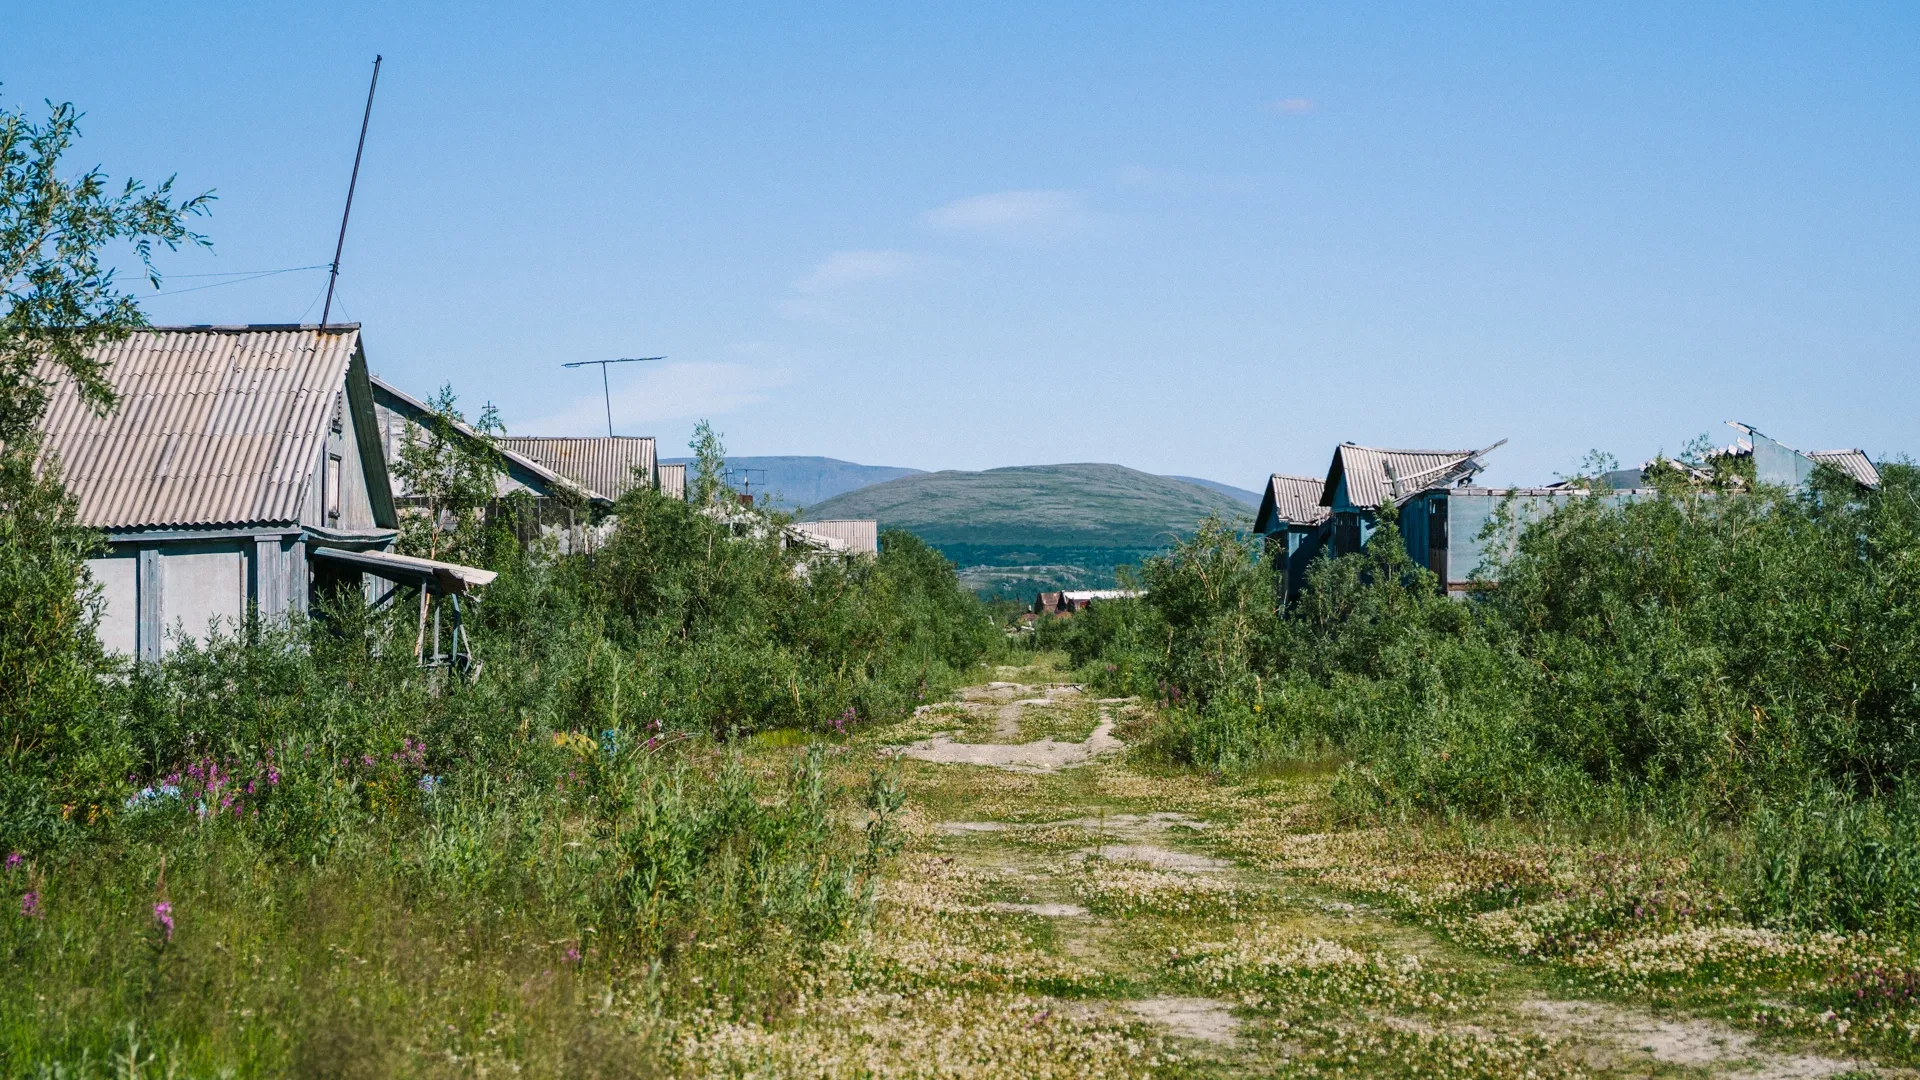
(1017, 572)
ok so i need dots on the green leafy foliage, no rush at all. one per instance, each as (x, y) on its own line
(1743, 657)
(449, 473)
(58, 297)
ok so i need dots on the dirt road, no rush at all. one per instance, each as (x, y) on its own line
(1059, 911)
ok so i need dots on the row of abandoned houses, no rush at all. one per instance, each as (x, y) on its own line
(247, 468)
(1443, 515)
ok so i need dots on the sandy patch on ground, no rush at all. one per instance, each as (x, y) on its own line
(1045, 755)
(1699, 1044)
(1154, 855)
(961, 828)
(1193, 1018)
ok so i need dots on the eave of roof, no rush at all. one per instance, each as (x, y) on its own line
(418, 409)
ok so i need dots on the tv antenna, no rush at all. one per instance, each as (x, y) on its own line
(333, 273)
(746, 479)
(605, 393)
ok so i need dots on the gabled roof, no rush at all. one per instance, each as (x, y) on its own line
(520, 467)
(1290, 500)
(610, 466)
(1376, 476)
(215, 426)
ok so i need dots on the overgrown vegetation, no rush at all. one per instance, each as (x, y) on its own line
(295, 845)
(1747, 661)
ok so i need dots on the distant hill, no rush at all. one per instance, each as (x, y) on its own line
(1251, 498)
(1018, 530)
(1037, 505)
(794, 481)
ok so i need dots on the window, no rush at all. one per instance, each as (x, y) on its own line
(332, 494)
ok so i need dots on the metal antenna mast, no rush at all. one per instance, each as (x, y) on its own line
(333, 275)
(605, 393)
(746, 479)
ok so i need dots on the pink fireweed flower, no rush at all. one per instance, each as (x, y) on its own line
(163, 916)
(30, 904)
(14, 859)
(573, 954)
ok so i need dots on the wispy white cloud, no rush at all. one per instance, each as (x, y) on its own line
(847, 268)
(1293, 106)
(1009, 215)
(668, 391)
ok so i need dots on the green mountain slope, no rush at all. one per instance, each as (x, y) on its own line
(1036, 505)
(1238, 494)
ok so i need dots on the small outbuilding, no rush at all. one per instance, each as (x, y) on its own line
(673, 481)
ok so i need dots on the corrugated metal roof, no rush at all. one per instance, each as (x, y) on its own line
(609, 465)
(216, 425)
(1854, 463)
(1376, 476)
(1294, 500)
(849, 534)
(673, 481)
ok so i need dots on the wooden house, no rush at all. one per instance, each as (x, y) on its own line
(240, 473)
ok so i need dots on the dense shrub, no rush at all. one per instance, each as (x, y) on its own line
(735, 633)
(48, 656)
(1745, 657)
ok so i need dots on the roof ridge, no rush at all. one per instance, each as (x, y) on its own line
(236, 327)
(1401, 450)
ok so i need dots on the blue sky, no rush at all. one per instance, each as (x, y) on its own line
(1201, 239)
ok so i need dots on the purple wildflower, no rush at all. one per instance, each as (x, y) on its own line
(163, 915)
(30, 904)
(573, 954)
(14, 859)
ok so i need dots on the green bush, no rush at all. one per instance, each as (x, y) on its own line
(1745, 658)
